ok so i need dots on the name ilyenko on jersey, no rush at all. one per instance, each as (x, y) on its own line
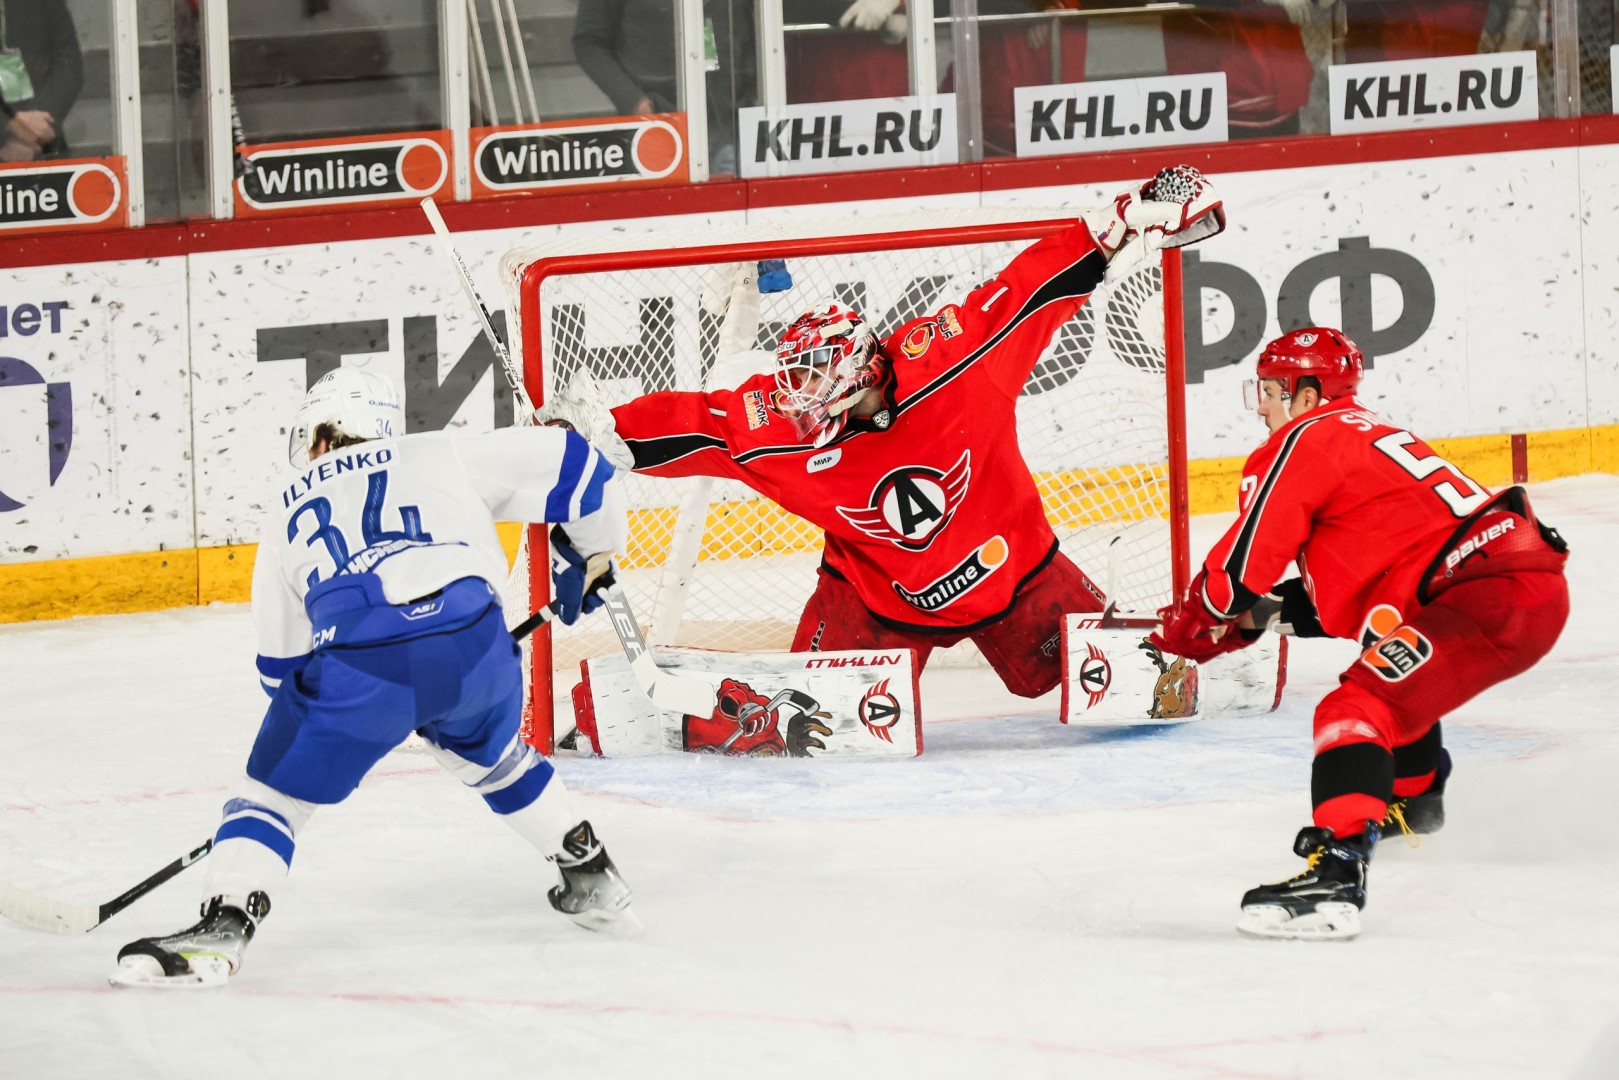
(928, 507)
(419, 512)
(1363, 506)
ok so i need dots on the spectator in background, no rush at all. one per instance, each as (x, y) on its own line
(865, 58)
(41, 74)
(1412, 29)
(1020, 53)
(627, 47)
(1258, 46)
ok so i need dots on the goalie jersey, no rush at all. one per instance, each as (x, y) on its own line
(928, 507)
(415, 514)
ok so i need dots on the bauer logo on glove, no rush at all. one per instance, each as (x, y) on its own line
(576, 579)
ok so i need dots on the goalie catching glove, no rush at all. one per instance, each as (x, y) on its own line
(577, 580)
(577, 404)
(1176, 207)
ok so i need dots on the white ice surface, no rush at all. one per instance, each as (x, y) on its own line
(1024, 900)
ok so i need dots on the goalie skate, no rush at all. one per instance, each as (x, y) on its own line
(1324, 902)
(199, 957)
(593, 893)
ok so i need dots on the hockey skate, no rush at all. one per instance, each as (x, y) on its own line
(200, 956)
(1420, 815)
(593, 893)
(1324, 902)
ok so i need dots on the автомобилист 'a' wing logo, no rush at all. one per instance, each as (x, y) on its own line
(912, 504)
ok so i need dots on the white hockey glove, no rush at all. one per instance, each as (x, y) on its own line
(578, 405)
(868, 14)
(1178, 206)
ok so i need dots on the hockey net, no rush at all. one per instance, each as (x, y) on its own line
(1099, 422)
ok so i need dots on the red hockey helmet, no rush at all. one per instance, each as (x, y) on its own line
(1320, 351)
(826, 358)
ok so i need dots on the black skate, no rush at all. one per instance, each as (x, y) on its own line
(1324, 902)
(199, 956)
(1420, 815)
(593, 893)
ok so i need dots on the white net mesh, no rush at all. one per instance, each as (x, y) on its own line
(1091, 422)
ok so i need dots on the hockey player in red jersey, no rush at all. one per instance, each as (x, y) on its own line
(905, 450)
(1449, 588)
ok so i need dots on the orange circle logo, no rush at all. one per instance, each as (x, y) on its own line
(422, 167)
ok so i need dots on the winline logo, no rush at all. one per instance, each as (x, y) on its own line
(63, 193)
(334, 173)
(578, 155)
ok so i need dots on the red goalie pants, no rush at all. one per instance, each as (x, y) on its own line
(1024, 646)
(1473, 635)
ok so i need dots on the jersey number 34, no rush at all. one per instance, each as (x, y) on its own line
(376, 494)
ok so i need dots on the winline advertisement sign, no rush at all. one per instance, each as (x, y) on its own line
(359, 170)
(570, 155)
(53, 196)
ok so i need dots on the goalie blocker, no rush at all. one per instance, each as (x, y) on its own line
(854, 704)
(1113, 675)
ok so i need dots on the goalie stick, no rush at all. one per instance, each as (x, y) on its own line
(1110, 618)
(665, 689)
(59, 917)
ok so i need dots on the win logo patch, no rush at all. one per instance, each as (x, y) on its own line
(1398, 654)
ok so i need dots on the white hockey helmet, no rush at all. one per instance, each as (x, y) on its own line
(359, 404)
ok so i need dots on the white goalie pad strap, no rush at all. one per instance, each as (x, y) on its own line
(860, 704)
(1112, 676)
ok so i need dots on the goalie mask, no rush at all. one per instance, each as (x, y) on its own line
(1317, 351)
(352, 403)
(827, 358)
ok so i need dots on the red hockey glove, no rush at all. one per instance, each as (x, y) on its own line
(1188, 629)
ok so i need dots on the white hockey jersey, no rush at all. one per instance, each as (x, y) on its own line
(419, 512)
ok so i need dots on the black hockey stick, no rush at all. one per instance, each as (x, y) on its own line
(59, 917)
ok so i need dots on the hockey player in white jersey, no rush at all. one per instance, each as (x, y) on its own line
(378, 614)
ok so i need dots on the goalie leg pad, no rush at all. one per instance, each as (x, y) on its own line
(1114, 676)
(1118, 677)
(853, 704)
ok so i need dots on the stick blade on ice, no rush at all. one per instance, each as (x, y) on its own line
(50, 916)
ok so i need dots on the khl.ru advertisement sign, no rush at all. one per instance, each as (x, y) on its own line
(844, 136)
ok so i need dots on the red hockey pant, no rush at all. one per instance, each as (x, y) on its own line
(1024, 646)
(1470, 637)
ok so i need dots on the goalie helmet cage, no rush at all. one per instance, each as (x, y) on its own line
(1101, 421)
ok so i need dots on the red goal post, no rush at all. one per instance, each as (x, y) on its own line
(1102, 420)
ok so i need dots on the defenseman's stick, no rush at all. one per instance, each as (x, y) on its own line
(676, 693)
(59, 917)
